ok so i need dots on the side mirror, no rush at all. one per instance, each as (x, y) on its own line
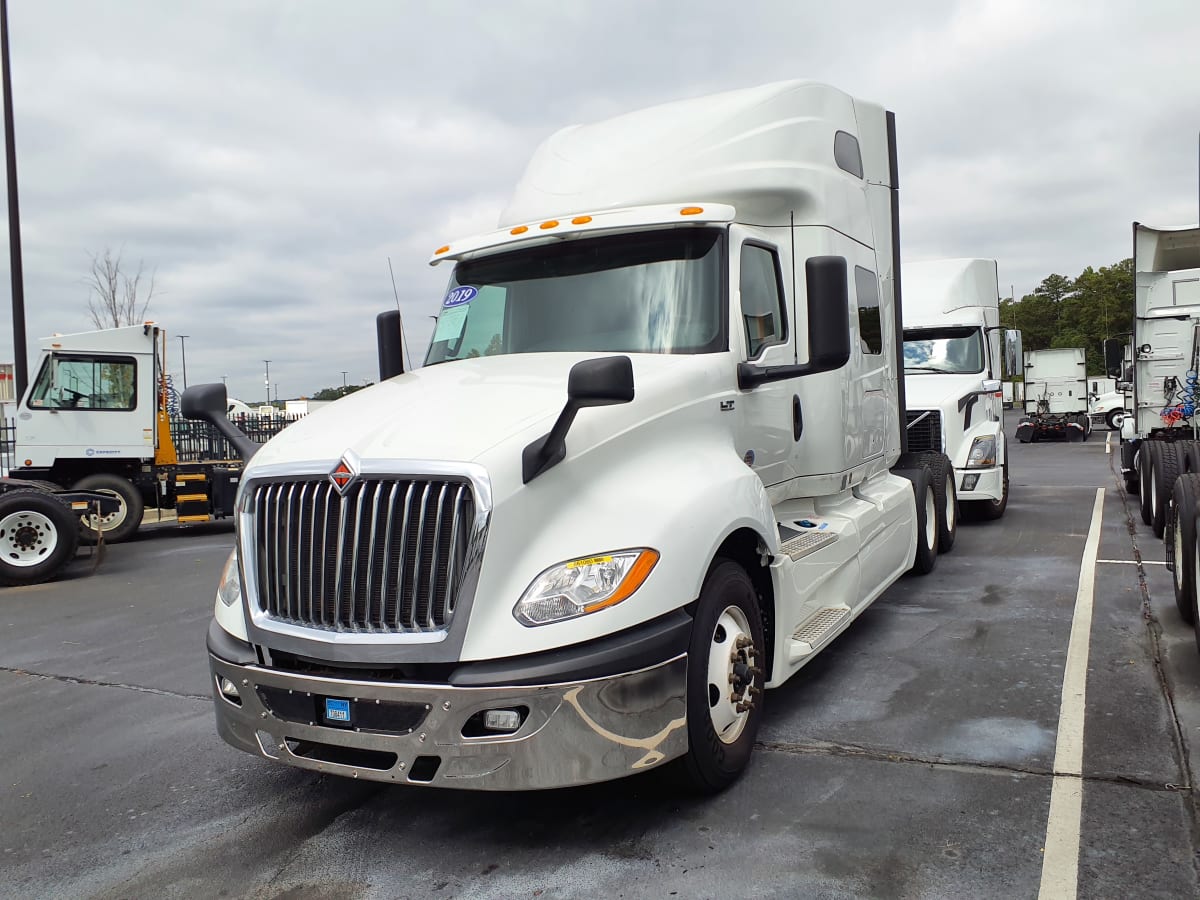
(207, 403)
(825, 280)
(1013, 353)
(1114, 357)
(601, 382)
(991, 386)
(390, 338)
(593, 382)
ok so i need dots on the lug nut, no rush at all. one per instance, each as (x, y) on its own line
(446, 705)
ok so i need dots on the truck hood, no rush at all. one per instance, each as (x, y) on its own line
(459, 411)
(933, 391)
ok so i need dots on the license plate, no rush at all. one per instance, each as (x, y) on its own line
(337, 712)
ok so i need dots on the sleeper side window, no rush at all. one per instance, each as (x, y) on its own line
(762, 299)
(870, 327)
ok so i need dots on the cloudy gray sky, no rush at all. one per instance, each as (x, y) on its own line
(268, 157)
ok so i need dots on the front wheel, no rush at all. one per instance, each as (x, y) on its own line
(1115, 419)
(120, 525)
(38, 537)
(725, 678)
(941, 472)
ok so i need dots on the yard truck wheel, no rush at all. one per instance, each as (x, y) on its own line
(725, 678)
(1163, 473)
(118, 526)
(941, 473)
(1114, 419)
(1182, 532)
(1142, 462)
(38, 537)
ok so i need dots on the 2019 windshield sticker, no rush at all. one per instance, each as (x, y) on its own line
(460, 296)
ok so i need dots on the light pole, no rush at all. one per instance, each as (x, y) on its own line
(183, 355)
(223, 377)
(267, 380)
(20, 359)
(343, 383)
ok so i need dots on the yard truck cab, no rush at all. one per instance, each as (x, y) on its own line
(952, 375)
(1056, 397)
(95, 418)
(652, 466)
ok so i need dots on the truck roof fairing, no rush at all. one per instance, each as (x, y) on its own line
(936, 288)
(1168, 248)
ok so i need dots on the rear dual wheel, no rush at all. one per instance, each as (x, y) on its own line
(1182, 531)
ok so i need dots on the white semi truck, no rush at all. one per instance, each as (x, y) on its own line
(1056, 396)
(952, 377)
(1160, 453)
(652, 466)
(94, 418)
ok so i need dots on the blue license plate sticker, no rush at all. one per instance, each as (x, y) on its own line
(337, 710)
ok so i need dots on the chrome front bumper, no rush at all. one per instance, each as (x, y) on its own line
(572, 734)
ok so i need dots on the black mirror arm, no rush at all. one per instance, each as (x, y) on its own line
(550, 449)
(751, 376)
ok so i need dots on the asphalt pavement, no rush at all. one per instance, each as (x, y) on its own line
(916, 757)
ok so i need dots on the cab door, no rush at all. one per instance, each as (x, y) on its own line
(768, 425)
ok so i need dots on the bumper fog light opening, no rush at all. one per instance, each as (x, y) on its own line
(229, 690)
(495, 722)
(969, 482)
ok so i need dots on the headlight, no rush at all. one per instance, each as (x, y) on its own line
(983, 453)
(229, 591)
(581, 586)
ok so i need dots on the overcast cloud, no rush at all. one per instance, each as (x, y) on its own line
(268, 157)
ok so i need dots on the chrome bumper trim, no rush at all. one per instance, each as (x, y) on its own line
(578, 733)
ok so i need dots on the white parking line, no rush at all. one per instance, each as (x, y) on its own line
(1060, 862)
(1108, 444)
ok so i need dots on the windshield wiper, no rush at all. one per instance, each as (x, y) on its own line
(926, 369)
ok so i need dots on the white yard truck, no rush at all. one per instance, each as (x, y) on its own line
(94, 418)
(652, 466)
(952, 377)
(1056, 397)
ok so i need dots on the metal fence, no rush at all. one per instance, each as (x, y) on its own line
(194, 441)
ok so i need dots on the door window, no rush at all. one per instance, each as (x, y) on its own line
(870, 327)
(86, 382)
(762, 299)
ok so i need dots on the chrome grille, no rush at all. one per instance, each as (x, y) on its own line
(388, 556)
(924, 433)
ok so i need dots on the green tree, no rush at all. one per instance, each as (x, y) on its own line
(333, 393)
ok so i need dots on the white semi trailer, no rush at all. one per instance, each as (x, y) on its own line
(952, 378)
(1056, 396)
(652, 466)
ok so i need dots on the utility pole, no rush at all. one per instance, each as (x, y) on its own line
(20, 361)
(267, 380)
(223, 377)
(183, 355)
(343, 382)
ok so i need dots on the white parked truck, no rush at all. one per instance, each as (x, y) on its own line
(1056, 396)
(1160, 444)
(952, 376)
(94, 418)
(652, 466)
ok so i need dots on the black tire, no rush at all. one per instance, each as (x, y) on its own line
(1163, 474)
(122, 525)
(1182, 531)
(1189, 455)
(1144, 462)
(926, 500)
(941, 472)
(994, 509)
(39, 535)
(1114, 419)
(712, 762)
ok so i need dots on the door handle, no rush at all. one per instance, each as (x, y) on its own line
(797, 418)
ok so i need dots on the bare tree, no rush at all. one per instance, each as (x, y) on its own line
(114, 296)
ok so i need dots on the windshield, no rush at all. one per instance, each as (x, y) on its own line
(957, 351)
(653, 292)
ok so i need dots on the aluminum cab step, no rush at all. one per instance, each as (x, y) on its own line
(817, 630)
(807, 542)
